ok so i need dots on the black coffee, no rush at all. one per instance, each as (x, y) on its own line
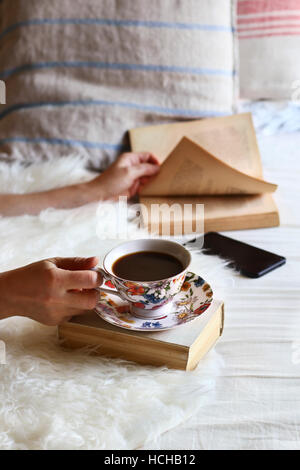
(147, 266)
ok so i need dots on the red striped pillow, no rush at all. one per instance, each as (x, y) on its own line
(269, 42)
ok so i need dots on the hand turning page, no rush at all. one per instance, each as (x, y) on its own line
(231, 139)
(190, 170)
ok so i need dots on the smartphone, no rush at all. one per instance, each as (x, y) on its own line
(247, 259)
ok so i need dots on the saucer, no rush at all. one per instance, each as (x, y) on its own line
(192, 301)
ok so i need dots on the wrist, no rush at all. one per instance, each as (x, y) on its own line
(75, 196)
(95, 190)
(81, 194)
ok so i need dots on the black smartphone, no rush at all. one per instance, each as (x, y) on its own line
(247, 259)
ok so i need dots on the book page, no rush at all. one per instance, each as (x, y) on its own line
(231, 139)
(218, 207)
(220, 213)
(190, 171)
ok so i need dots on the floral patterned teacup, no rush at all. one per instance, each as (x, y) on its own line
(148, 299)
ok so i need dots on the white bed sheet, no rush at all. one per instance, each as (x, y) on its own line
(257, 401)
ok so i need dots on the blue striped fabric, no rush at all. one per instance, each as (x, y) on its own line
(116, 23)
(154, 109)
(67, 142)
(115, 66)
(81, 79)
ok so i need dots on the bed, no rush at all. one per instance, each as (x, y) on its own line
(71, 96)
(256, 406)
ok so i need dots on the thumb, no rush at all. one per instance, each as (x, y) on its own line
(144, 169)
(76, 264)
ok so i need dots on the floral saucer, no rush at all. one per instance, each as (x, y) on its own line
(192, 301)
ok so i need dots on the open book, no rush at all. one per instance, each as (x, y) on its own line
(215, 162)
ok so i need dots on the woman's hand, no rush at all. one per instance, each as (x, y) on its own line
(125, 177)
(50, 291)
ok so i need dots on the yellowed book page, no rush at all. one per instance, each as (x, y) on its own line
(220, 213)
(219, 207)
(238, 206)
(191, 171)
(232, 139)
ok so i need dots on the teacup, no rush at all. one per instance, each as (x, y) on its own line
(147, 299)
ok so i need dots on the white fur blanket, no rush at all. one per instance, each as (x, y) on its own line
(56, 399)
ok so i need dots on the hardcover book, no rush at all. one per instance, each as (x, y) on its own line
(178, 348)
(215, 162)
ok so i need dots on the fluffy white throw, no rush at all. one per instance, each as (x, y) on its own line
(51, 398)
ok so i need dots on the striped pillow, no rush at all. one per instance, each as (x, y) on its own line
(269, 43)
(80, 73)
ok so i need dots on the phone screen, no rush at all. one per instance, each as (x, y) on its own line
(247, 259)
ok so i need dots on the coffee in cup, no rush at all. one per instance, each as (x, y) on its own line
(147, 273)
(147, 266)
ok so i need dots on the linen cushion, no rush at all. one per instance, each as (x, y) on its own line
(80, 74)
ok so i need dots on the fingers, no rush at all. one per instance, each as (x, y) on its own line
(132, 168)
(146, 157)
(133, 158)
(81, 300)
(75, 273)
(140, 174)
(144, 169)
(144, 180)
(71, 280)
(134, 188)
(75, 264)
